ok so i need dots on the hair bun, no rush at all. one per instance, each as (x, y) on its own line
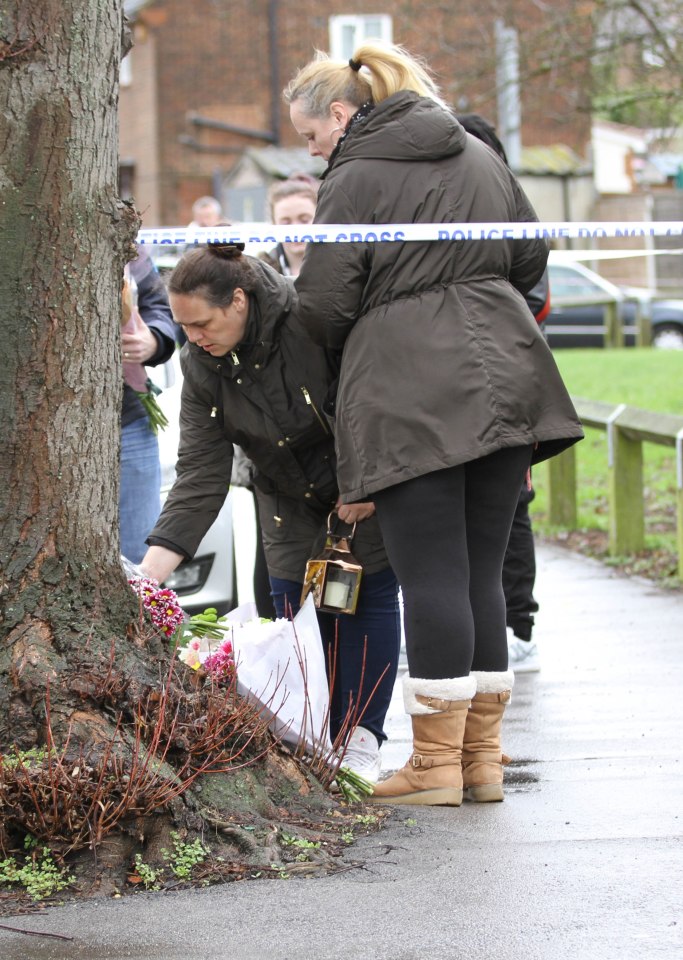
(225, 251)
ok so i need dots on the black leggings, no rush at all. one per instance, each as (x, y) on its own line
(445, 535)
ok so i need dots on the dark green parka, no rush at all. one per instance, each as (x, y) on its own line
(443, 362)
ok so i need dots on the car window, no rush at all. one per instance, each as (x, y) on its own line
(565, 282)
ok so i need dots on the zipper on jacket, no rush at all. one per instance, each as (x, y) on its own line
(217, 397)
(235, 358)
(309, 401)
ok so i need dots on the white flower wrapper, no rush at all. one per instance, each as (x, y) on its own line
(281, 667)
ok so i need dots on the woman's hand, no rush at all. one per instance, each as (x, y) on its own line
(139, 347)
(158, 562)
(354, 512)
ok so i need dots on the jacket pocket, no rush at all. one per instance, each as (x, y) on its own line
(318, 415)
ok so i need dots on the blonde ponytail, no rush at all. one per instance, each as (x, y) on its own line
(392, 69)
(374, 72)
(323, 81)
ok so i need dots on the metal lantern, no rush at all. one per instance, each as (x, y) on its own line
(334, 577)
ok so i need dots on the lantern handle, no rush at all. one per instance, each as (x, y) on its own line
(349, 538)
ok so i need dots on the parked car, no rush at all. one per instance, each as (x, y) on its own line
(209, 579)
(584, 326)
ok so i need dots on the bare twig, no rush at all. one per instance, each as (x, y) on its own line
(34, 933)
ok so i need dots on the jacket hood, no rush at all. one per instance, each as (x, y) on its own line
(404, 127)
(271, 302)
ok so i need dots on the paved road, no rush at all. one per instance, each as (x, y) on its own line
(582, 861)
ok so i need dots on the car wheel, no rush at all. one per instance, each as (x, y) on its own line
(667, 336)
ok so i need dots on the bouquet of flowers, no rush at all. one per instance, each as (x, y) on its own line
(201, 639)
(279, 665)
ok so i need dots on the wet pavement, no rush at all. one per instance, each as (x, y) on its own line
(584, 860)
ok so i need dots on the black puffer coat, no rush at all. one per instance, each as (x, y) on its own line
(266, 396)
(443, 362)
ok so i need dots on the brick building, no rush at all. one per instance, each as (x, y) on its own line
(203, 83)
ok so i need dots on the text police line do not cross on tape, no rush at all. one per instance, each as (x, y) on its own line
(392, 232)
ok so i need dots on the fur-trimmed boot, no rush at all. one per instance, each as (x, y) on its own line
(433, 775)
(482, 758)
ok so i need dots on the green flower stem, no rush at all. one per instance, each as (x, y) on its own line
(352, 786)
(148, 399)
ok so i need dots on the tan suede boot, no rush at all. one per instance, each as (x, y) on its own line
(433, 775)
(482, 758)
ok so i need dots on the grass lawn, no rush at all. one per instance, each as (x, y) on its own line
(641, 377)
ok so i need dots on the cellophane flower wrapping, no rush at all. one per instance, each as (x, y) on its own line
(280, 663)
(281, 667)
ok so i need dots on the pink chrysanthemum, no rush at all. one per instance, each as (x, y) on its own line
(221, 663)
(162, 604)
(144, 586)
(166, 615)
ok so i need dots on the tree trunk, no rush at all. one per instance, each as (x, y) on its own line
(65, 239)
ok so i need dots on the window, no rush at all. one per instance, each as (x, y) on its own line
(126, 71)
(247, 204)
(348, 32)
(569, 282)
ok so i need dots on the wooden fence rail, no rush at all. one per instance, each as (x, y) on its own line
(612, 329)
(627, 429)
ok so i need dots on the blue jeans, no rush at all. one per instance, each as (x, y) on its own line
(377, 617)
(139, 492)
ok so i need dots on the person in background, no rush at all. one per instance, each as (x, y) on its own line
(519, 565)
(291, 202)
(252, 377)
(147, 339)
(206, 212)
(447, 389)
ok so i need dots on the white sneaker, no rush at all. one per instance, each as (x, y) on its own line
(362, 754)
(523, 656)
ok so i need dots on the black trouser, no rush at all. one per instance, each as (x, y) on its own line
(519, 569)
(262, 595)
(446, 533)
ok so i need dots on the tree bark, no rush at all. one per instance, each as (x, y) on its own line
(64, 241)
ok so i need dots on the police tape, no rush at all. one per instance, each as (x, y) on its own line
(265, 234)
(572, 255)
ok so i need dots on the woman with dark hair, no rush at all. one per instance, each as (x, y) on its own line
(252, 377)
(447, 389)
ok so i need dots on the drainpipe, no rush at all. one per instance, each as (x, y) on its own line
(508, 93)
(197, 120)
(566, 206)
(650, 261)
(274, 53)
(269, 136)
